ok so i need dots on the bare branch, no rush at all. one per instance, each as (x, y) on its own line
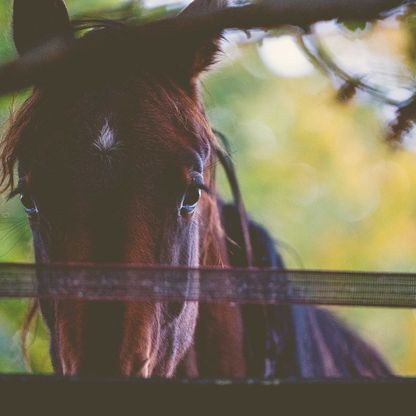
(320, 57)
(404, 121)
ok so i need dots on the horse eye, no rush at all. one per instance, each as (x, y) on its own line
(190, 200)
(29, 204)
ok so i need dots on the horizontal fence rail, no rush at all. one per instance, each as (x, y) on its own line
(256, 286)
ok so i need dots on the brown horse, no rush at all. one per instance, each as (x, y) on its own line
(123, 171)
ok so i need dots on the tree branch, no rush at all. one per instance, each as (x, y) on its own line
(114, 51)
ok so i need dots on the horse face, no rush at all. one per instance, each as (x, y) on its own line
(121, 186)
(114, 174)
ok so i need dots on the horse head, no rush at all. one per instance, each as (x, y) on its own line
(119, 171)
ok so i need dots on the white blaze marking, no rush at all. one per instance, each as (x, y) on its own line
(106, 140)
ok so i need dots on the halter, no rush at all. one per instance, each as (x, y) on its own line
(228, 166)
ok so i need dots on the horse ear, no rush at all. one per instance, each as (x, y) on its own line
(203, 48)
(36, 21)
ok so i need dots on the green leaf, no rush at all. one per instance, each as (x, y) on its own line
(355, 26)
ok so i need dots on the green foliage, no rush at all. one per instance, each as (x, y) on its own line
(355, 26)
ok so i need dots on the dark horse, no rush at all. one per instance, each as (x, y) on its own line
(123, 172)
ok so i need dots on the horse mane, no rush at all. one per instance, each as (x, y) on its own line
(11, 140)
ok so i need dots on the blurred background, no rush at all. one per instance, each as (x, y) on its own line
(314, 166)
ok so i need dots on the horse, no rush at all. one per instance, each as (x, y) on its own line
(123, 171)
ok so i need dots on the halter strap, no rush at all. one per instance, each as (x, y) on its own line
(228, 166)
